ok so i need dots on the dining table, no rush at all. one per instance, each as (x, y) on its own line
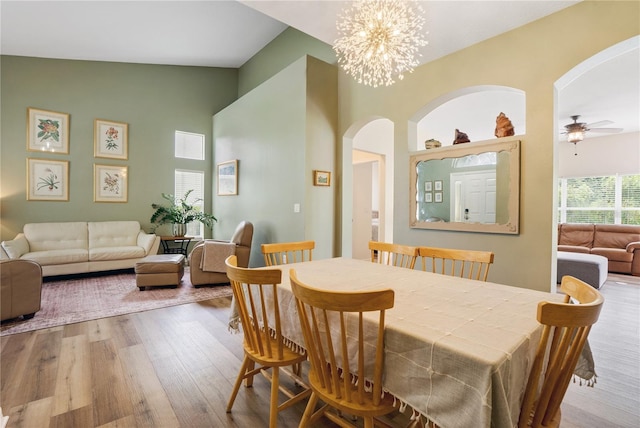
(457, 351)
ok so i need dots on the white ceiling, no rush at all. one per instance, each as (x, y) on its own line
(228, 33)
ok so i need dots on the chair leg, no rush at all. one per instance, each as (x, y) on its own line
(368, 422)
(236, 387)
(308, 411)
(251, 365)
(273, 406)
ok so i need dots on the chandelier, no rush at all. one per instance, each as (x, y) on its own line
(379, 39)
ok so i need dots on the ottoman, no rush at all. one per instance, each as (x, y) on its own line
(590, 268)
(160, 269)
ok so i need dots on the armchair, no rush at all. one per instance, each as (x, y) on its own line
(21, 288)
(206, 261)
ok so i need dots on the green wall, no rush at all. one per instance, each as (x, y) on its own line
(280, 132)
(154, 100)
(285, 49)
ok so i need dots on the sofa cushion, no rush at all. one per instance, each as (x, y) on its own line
(116, 253)
(574, 249)
(16, 247)
(615, 235)
(56, 236)
(58, 257)
(113, 234)
(613, 254)
(580, 235)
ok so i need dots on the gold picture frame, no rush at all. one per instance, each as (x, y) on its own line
(47, 131)
(110, 183)
(47, 180)
(110, 139)
(321, 178)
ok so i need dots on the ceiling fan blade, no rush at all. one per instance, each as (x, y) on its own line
(601, 123)
(606, 130)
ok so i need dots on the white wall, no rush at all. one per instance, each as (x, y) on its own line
(606, 155)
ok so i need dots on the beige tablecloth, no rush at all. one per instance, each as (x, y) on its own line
(457, 351)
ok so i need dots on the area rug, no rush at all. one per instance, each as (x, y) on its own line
(76, 299)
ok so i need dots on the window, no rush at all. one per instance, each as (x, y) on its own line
(186, 180)
(189, 145)
(611, 199)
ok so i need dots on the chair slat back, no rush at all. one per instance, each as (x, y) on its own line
(469, 264)
(393, 254)
(256, 298)
(288, 252)
(335, 363)
(566, 328)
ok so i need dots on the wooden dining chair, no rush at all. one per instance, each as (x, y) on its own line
(463, 263)
(566, 327)
(256, 297)
(345, 376)
(288, 252)
(393, 254)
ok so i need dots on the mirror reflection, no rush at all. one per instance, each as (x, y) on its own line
(472, 187)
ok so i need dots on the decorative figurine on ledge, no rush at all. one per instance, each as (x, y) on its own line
(461, 137)
(504, 127)
(432, 144)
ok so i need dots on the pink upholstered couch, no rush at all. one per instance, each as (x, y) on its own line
(619, 243)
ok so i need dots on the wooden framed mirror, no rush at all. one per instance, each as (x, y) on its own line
(470, 187)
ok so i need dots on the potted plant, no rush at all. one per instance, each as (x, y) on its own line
(179, 213)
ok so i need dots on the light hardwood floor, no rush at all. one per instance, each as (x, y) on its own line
(175, 367)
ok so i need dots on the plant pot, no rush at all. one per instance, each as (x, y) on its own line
(179, 229)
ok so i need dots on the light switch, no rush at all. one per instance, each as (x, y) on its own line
(296, 208)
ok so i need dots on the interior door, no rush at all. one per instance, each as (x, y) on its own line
(474, 197)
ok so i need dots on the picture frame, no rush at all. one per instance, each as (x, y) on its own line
(437, 196)
(47, 131)
(110, 183)
(47, 180)
(228, 178)
(428, 197)
(428, 186)
(437, 185)
(321, 178)
(110, 139)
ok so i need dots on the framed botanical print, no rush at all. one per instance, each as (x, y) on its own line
(110, 139)
(47, 180)
(228, 178)
(110, 183)
(47, 131)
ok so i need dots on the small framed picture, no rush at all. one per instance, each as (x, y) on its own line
(110, 183)
(110, 139)
(438, 197)
(47, 131)
(321, 178)
(428, 186)
(228, 178)
(437, 185)
(47, 180)
(428, 197)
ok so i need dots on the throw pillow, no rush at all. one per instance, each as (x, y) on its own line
(16, 247)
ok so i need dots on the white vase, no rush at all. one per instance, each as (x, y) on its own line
(179, 229)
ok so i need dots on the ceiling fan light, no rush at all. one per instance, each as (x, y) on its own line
(575, 136)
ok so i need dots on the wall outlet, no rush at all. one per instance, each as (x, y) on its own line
(296, 208)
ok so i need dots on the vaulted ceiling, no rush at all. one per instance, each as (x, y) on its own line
(228, 33)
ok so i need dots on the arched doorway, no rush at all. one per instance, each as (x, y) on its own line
(367, 185)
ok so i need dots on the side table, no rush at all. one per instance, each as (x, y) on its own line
(175, 244)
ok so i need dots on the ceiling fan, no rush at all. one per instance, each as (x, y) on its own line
(575, 131)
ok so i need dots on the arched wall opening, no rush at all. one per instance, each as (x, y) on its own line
(372, 139)
(472, 110)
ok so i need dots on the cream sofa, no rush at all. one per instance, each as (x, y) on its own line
(80, 247)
